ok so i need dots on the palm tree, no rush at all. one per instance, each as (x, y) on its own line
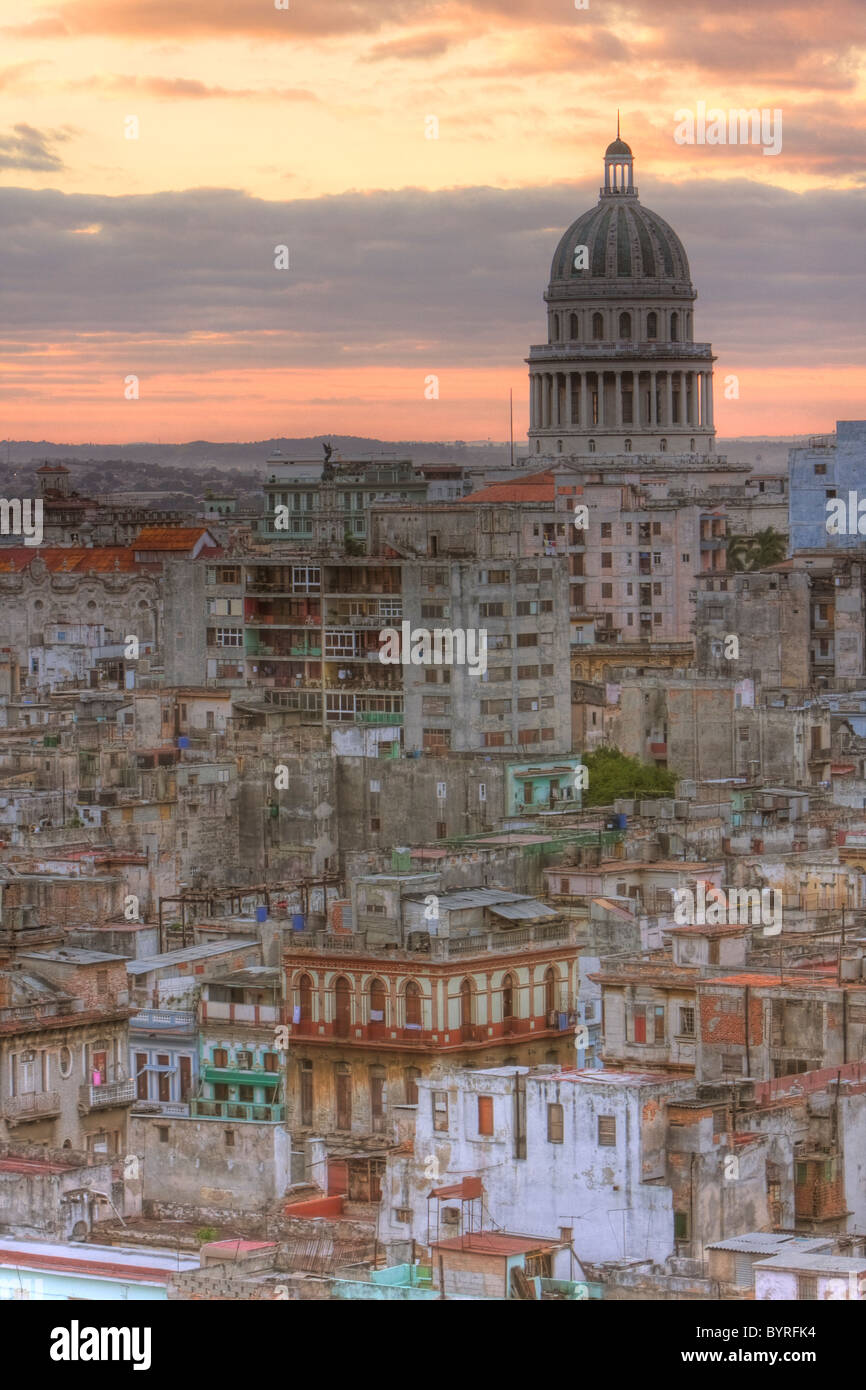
(737, 551)
(768, 548)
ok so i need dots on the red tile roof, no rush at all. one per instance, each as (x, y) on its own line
(538, 487)
(69, 559)
(168, 537)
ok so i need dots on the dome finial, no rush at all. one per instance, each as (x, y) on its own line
(617, 123)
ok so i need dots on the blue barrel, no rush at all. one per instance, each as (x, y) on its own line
(261, 914)
(183, 741)
(620, 820)
(297, 921)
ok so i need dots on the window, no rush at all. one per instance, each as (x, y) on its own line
(732, 1065)
(681, 1225)
(607, 1131)
(410, 1082)
(554, 1124)
(440, 1111)
(685, 558)
(489, 610)
(485, 1115)
(527, 639)
(606, 530)
(436, 739)
(271, 1061)
(220, 1057)
(657, 528)
(687, 1022)
(306, 1097)
(625, 325)
(607, 560)
(659, 1023)
(244, 1061)
(807, 1288)
(162, 1131)
(597, 327)
(607, 591)
(230, 1138)
(652, 324)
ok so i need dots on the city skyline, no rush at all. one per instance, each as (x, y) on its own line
(410, 256)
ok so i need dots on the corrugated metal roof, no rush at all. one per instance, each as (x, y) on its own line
(524, 911)
(210, 948)
(169, 537)
(477, 897)
(538, 487)
(816, 1264)
(768, 1243)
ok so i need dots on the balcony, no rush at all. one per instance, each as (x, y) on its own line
(37, 1013)
(252, 1015)
(202, 1108)
(240, 1076)
(37, 1105)
(374, 716)
(109, 1094)
(164, 1021)
(170, 1108)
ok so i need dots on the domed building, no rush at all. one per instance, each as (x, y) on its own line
(620, 371)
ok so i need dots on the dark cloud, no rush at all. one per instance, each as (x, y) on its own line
(28, 148)
(392, 278)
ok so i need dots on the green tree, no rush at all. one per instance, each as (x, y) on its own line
(612, 775)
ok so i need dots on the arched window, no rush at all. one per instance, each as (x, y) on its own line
(559, 446)
(508, 997)
(550, 990)
(592, 446)
(675, 327)
(554, 328)
(663, 446)
(598, 326)
(412, 996)
(538, 446)
(305, 997)
(377, 1001)
(466, 1004)
(410, 1080)
(625, 325)
(652, 324)
(628, 446)
(692, 445)
(342, 1007)
(574, 327)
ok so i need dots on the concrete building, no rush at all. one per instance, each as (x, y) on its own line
(827, 469)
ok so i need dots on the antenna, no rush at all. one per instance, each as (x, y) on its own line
(617, 123)
(511, 421)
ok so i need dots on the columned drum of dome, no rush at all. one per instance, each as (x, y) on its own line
(620, 371)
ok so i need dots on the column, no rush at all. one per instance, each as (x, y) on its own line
(669, 399)
(617, 377)
(709, 400)
(682, 409)
(584, 401)
(696, 405)
(556, 400)
(569, 399)
(599, 378)
(703, 377)
(653, 413)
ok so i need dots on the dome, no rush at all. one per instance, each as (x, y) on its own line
(618, 149)
(625, 241)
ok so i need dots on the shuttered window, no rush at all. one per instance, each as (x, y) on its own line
(554, 1124)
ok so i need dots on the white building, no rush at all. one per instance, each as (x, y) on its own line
(576, 1155)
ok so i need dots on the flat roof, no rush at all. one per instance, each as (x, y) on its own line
(816, 1264)
(123, 1262)
(496, 1243)
(73, 955)
(208, 948)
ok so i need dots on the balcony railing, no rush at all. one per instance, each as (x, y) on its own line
(165, 1020)
(439, 947)
(25, 1013)
(201, 1108)
(250, 1014)
(161, 1107)
(110, 1093)
(37, 1105)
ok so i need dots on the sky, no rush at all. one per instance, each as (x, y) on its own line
(419, 162)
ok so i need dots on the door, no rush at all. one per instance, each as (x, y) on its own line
(306, 1093)
(99, 1068)
(377, 1099)
(342, 1007)
(162, 1061)
(141, 1075)
(185, 1077)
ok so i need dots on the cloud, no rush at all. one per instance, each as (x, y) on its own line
(191, 89)
(430, 45)
(28, 148)
(187, 280)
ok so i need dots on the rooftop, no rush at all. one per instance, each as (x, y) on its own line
(210, 948)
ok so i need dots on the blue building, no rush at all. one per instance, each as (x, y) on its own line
(822, 471)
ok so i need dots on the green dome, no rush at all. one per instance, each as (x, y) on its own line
(618, 149)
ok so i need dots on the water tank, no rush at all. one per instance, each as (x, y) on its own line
(261, 914)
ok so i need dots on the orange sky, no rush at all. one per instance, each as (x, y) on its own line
(307, 105)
